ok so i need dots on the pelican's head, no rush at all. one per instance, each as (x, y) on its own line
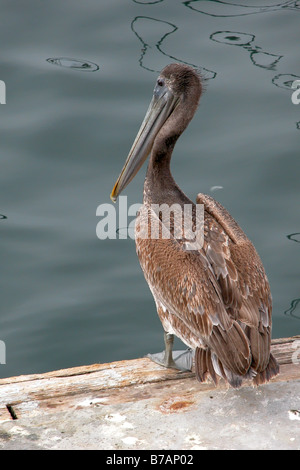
(178, 87)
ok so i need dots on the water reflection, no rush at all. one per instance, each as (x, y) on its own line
(258, 57)
(295, 237)
(218, 8)
(233, 38)
(285, 80)
(76, 64)
(291, 310)
(2, 216)
(152, 32)
(147, 2)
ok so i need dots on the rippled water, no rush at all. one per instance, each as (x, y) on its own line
(79, 77)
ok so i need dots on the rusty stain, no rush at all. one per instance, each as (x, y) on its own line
(175, 405)
(51, 405)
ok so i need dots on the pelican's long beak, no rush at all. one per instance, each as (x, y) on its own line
(161, 106)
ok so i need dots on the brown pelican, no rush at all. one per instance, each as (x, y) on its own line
(215, 297)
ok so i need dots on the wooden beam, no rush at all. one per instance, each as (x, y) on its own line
(118, 382)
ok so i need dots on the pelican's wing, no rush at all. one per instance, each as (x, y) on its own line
(189, 298)
(240, 274)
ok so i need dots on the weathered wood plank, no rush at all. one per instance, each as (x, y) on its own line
(119, 382)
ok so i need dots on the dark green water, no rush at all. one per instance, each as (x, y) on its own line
(68, 298)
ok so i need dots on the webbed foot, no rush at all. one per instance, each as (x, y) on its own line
(181, 360)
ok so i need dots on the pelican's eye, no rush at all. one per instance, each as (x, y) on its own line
(160, 82)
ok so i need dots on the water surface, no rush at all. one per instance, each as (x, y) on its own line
(79, 78)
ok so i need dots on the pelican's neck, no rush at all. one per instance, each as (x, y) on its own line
(160, 186)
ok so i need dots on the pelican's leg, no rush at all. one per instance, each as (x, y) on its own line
(169, 341)
(181, 360)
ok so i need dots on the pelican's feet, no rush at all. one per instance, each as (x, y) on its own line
(181, 360)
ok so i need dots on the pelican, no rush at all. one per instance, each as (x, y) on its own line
(215, 295)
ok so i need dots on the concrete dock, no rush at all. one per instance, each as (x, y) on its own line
(136, 404)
